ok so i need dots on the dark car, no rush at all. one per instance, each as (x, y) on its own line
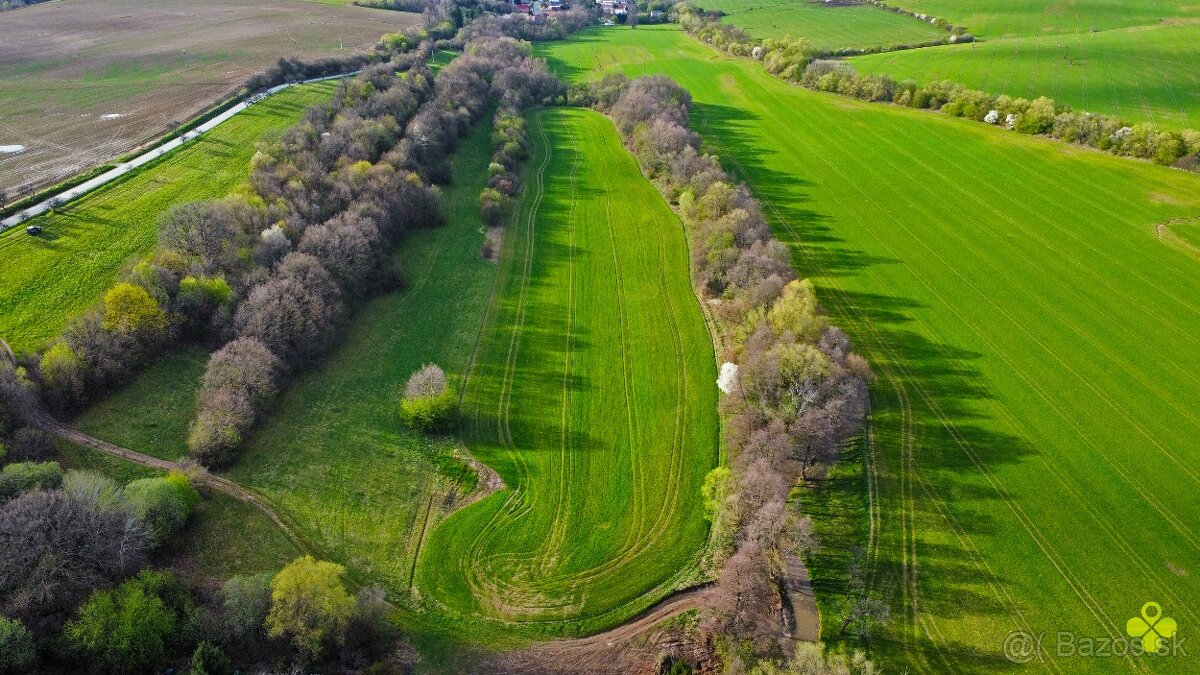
(34, 229)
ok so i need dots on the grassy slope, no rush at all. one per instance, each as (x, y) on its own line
(593, 398)
(1035, 410)
(57, 275)
(825, 27)
(1150, 74)
(332, 456)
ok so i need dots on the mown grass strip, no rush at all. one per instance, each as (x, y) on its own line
(593, 397)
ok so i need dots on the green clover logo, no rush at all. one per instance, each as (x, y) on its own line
(1152, 628)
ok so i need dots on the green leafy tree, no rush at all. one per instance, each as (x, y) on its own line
(24, 477)
(309, 604)
(128, 629)
(714, 491)
(130, 308)
(430, 404)
(208, 659)
(62, 372)
(162, 504)
(17, 651)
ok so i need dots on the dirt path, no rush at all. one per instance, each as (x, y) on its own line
(36, 416)
(622, 649)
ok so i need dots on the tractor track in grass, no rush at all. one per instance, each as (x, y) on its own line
(642, 539)
(38, 417)
(909, 586)
(504, 512)
(646, 533)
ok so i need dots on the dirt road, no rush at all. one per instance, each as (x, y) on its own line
(37, 417)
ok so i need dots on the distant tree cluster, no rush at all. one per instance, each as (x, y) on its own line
(522, 83)
(557, 25)
(795, 392)
(785, 57)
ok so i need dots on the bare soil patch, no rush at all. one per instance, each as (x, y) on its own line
(82, 82)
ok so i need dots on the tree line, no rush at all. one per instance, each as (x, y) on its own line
(794, 391)
(795, 60)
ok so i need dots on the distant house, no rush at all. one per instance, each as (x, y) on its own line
(521, 8)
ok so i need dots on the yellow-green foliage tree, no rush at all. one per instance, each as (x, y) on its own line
(129, 308)
(309, 604)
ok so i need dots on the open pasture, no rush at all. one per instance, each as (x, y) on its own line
(832, 26)
(82, 82)
(51, 278)
(1032, 448)
(1149, 73)
(592, 395)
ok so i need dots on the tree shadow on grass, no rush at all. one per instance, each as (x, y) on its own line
(929, 396)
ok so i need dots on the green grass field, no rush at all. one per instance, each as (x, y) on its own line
(1011, 18)
(593, 396)
(1142, 74)
(1033, 445)
(51, 278)
(151, 414)
(826, 27)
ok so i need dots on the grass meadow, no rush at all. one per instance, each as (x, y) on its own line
(1032, 457)
(825, 26)
(1146, 73)
(592, 395)
(333, 455)
(51, 278)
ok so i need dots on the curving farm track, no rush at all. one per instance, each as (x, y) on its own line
(37, 417)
